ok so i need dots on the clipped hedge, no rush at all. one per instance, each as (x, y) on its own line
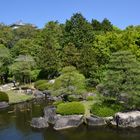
(70, 108)
(4, 97)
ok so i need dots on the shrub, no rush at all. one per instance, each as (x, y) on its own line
(69, 82)
(72, 98)
(56, 103)
(90, 98)
(102, 111)
(39, 82)
(70, 108)
(3, 97)
(42, 85)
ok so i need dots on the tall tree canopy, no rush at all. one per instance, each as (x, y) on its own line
(78, 31)
(123, 77)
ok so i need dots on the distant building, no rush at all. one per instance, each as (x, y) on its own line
(19, 24)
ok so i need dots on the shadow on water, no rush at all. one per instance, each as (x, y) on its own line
(15, 124)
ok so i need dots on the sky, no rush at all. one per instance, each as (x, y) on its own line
(121, 13)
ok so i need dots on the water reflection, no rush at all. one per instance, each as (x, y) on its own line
(15, 124)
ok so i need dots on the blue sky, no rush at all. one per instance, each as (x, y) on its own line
(120, 12)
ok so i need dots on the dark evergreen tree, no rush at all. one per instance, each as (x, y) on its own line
(106, 25)
(123, 78)
(96, 25)
(78, 31)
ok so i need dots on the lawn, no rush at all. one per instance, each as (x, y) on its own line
(17, 97)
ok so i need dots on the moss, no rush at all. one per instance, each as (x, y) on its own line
(4, 97)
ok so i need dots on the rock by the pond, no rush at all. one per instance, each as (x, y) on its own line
(47, 93)
(38, 94)
(39, 123)
(50, 114)
(95, 121)
(3, 105)
(128, 119)
(29, 91)
(70, 121)
(108, 119)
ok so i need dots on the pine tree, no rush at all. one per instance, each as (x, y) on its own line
(123, 77)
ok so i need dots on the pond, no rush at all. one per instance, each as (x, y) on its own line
(15, 125)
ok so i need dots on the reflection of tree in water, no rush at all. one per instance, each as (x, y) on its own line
(25, 112)
(68, 134)
(23, 116)
(5, 118)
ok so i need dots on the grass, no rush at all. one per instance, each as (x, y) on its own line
(15, 97)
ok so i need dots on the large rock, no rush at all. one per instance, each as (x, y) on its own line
(50, 114)
(95, 121)
(3, 105)
(38, 94)
(6, 87)
(128, 119)
(47, 93)
(64, 122)
(39, 122)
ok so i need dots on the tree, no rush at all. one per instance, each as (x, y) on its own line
(106, 25)
(25, 47)
(123, 78)
(69, 82)
(96, 25)
(48, 60)
(48, 54)
(87, 62)
(70, 55)
(6, 36)
(78, 31)
(51, 34)
(25, 32)
(5, 60)
(22, 67)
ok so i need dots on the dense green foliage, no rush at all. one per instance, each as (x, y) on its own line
(42, 85)
(106, 107)
(69, 82)
(102, 111)
(3, 97)
(70, 108)
(103, 55)
(123, 78)
(90, 98)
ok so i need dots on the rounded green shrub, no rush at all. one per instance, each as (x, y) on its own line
(42, 85)
(72, 98)
(39, 82)
(90, 98)
(3, 97)
(56, 103)
(102, 111)
(70, 108)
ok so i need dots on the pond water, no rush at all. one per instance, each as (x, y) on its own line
(15, 125)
